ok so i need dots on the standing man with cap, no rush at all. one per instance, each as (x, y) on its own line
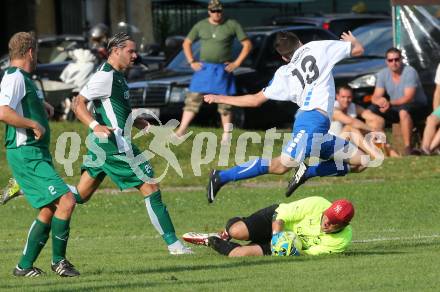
(322, 227)
(213, 70)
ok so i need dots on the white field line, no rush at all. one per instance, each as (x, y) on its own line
(414, 237)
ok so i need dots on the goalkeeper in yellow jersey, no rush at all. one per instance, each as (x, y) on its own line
(321, 226)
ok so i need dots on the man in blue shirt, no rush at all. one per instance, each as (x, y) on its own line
(407, 99)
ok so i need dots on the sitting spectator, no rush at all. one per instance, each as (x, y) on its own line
(431, 134)
(347, 125)
(346, 113)
(407, 99)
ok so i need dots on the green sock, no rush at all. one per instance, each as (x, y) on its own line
(60, 235)
(37, 238)
(75, 193)
(160, 218)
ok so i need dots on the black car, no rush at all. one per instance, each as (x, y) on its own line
(164, 91)
(336, 23)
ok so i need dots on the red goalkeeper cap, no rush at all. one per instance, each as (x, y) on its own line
(340, 212)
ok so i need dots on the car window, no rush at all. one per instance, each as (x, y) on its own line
(56, 51)
(338, 26)
(375, 40)
(293, 22)
(314, 35)
(273, 60)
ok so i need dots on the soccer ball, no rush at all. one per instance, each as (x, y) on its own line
(285, 243)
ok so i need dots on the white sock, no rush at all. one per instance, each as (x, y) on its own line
(176, 245)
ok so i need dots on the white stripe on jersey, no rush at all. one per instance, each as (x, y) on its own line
(20, 133)
(123, 146)
(99, 86)
(12, 89)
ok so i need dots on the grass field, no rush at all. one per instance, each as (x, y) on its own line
(396, 233)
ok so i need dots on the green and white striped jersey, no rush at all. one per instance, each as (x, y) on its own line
(108, 90)
(19, 92)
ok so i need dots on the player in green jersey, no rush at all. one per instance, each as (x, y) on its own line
(107, 89)
(322, 227)
(27, 139)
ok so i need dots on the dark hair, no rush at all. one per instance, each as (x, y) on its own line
(118, 41)
(20, 43)
(393, 50)
(345, 87)
(286, 43)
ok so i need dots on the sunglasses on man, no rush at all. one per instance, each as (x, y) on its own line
(216, 11)
(393, 60)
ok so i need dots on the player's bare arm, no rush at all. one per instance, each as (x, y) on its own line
(10, 117)
(49, 109)
(408, 95)
(247, 100)
(246, 48)
(339, 116)
(195, 65)
(436, 97)
(81, 112)
(379, 99)
(356, 47)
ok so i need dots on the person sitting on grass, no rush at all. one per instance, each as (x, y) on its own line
(431, 134)
(322, 227)
(352, 122)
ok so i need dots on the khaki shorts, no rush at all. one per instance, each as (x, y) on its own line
(194, 100)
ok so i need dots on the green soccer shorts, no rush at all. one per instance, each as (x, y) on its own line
(33, 169)
(121, 172)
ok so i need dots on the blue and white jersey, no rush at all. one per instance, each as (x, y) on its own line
(307, 80)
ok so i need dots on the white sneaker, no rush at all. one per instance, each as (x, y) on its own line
(178, 248)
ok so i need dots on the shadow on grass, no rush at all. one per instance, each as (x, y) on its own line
(79, 284)
(371, 252)
(391, 247)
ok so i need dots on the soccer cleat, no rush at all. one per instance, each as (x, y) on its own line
(202, 238)
(214, 185)
(65, 269)
(180, 251)
(11, 191)
(297, 180)
(30, 272)
(177, 248)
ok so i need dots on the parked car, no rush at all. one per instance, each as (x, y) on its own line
(164, 91)
(360, 72)
(52, 54)
(336, 23)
